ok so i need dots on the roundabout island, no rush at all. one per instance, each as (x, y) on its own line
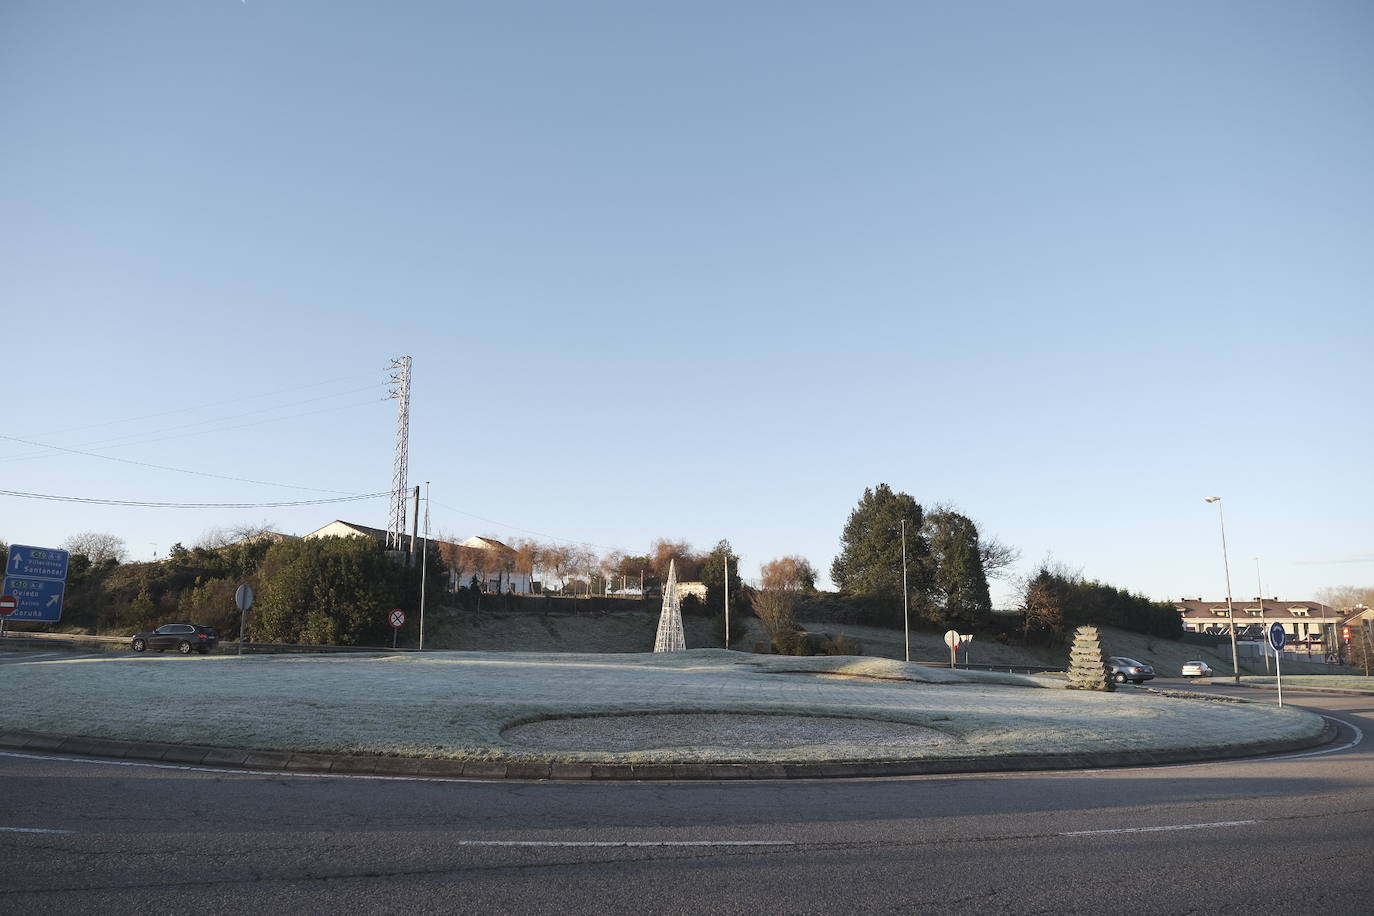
(702, 713)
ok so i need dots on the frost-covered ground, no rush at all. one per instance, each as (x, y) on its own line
(701, 705)
(1334, 681)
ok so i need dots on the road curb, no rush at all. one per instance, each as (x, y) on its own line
(532, 770)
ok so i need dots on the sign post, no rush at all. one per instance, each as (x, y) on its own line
(36, 578)
(243, 600)
(967, 640)
(952, 640)
(1276, 639)
(8, 603)
(397, 619)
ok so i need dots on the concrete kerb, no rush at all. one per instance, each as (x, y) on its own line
(443, 768)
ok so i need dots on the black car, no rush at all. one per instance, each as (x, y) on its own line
(184, 637)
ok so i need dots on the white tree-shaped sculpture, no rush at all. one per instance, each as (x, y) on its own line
(670, 637)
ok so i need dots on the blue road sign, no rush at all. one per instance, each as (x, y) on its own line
(39, 599)
(40, 562)
(1277, 637)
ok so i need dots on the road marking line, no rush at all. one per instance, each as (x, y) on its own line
(1359, 736)
(1158, 829)
(31, 830)
(619, 843)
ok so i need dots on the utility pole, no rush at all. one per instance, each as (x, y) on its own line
(1259, 584)
(1230, 610)
(424, 568)
(906, 612)
(414, 529)
(727, 600)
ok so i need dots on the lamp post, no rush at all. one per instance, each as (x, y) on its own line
(906, 613)
(1230, 610)
(1259, 583)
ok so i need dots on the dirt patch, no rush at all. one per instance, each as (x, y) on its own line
(697, 730)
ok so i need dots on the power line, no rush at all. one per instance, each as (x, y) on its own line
(127, 441)
(161, 505)
(163, 467)
(239, 400)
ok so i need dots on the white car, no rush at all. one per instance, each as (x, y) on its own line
(1196, 669)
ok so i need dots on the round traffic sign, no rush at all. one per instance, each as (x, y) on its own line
(243, 597)
(397, 618)
(952, 639)
(1277, 637)
(8, 604)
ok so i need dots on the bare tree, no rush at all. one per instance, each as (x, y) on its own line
(1346, 597)
(791, 573)
(96, 546)
(998, 558)
(776, 602)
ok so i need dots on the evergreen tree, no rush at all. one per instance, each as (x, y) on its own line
(870, 559)
(959, 596)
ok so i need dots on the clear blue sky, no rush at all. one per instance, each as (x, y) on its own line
(702, 270)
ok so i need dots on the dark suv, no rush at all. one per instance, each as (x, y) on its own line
(183, 637)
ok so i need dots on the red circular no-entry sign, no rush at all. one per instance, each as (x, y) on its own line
(8, 604)
(397, 618)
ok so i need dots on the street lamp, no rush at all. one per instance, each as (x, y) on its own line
(1230, 610)
(906, 612)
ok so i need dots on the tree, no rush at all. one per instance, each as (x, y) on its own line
(688, 560)
(959, 594)
(870, 559)
(1347, 597)
(775, 602)
(714, 577)
(790, 573)
(1042, 608)
(332, 591)
(97, 546)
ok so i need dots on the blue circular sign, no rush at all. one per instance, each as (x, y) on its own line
(1277, 637)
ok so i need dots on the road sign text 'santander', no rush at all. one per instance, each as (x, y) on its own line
(35, 577)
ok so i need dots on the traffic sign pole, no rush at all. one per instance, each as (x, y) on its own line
(1277, 637)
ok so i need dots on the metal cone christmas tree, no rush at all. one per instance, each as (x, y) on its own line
(670, 637)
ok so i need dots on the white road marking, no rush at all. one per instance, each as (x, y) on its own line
(620, 843)
(1359, 736)
(1158, 829)
(31, 830)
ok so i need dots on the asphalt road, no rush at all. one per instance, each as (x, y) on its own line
(1282, 835)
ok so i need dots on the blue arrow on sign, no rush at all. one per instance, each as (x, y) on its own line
(39, 599)
(1277, 637)
(41, 562)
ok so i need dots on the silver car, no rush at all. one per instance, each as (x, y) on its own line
(1128, 669)
(1196, 669)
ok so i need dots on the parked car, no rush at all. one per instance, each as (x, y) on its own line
(1196, 669)
(184, 637)
(1128, 669)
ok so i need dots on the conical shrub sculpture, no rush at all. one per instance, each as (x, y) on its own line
(1088, 663)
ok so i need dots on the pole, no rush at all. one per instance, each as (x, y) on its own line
(1230, 609)
(906, 612)
(1278, 671)
(727, 601)
(1259, 584)
(424, 569)
(414, 527)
